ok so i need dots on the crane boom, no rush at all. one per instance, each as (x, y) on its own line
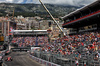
(52, 17)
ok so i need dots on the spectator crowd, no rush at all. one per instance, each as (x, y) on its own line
(79, 46)
(30, 41)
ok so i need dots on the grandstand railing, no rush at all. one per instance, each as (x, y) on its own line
(70, 60)
(88, 29)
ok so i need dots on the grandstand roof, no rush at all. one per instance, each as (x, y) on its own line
(29, 30)
(83, 8)
(30, 34)
(87, 15)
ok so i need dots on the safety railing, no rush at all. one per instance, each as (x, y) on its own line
(88, 59)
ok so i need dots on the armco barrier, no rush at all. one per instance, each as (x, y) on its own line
(47, 63)
(4, 64)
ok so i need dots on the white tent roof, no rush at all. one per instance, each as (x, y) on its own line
(29, 30)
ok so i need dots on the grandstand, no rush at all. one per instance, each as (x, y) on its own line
(84, 19)
(25, 38)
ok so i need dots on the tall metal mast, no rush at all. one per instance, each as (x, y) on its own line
(52, 17)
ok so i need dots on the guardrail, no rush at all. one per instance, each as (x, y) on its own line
(47, 63)
(88, 59)
(4, 64)
(54, 58)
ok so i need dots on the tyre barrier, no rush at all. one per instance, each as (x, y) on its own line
(41, 61)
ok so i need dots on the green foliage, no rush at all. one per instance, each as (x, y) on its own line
(30, 10)
(25, 14)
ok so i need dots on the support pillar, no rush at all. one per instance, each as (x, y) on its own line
(98, 26)
(4, 32)
(77, 30)
(8, 28)
(3, 28)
